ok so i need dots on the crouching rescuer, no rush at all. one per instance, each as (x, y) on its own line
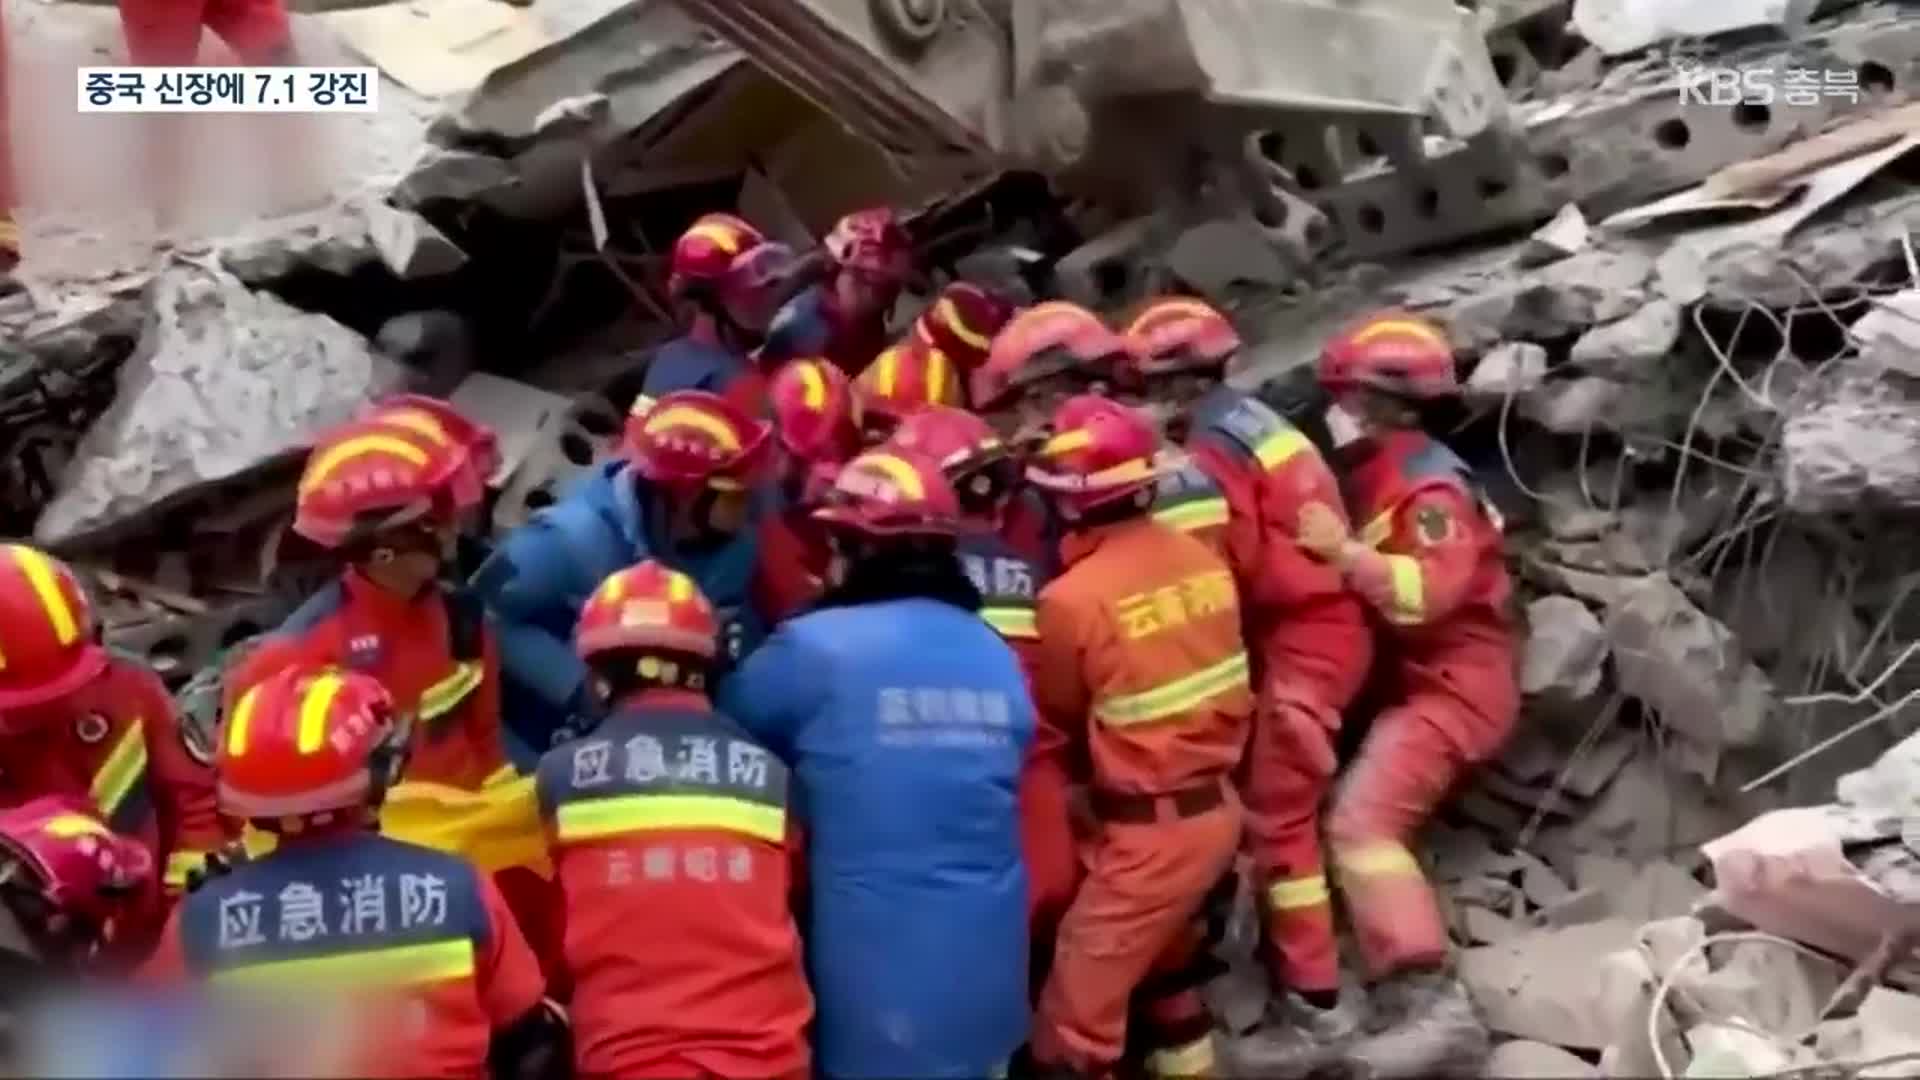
(669, 812)
(1141, 662)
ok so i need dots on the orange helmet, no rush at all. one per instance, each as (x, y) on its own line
(411, 458)
(1100, 452)
(705, 253)
(974, 460)
(1393, 352)
(1175, 334)
(48, 646)
(890, 492)
(815, 411)
(961, 322)
(691, 439)
(647, 608)
(907, 377)
(1044, 340)
(873, 243)
(308, 740)
(80, 867)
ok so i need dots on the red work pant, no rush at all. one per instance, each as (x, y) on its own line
(9, 232)
(166, 33)
(1310, 672)
(1457, 713)
(1144, 886)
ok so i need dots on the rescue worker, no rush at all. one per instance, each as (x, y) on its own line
(388, 494)
(1042, 355)
(166, 33)
(724, 276)
(9, 229)
(1141, 662)
(817, 419)
(1427, 559)
(417, 938)
(670, 808)
(961, 322)
(903, 379)
(869, 257)
(79, 722)
(1250, 476)
(66, 883)
(687, 493)
(904, 719)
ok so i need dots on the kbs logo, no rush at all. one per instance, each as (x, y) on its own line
(1803, 87)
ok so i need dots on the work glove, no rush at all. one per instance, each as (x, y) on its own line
(1321, 531)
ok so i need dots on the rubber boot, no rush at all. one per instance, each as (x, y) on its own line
(1425, 1026)
(1296, 1039)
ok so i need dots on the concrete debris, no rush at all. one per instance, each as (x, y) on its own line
(1624, 348)
(223, 380)
(453, 175)
(1566, 650)
(1565, 235)
(1540, 985)
(437, 345)
(1624, 26)
(1686, 667)
(1852, 440)
(1889, 334)
(1524, 1059)
(1558, 300)
(1723, 1050)
(341, 240)
(1510, 369)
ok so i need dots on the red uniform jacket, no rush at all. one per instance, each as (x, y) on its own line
(792, 562)
(120, 743)
(415, 944)
(670, 832)
(409, 646)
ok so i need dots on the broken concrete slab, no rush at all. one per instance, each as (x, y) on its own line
(1215, 256)
(1524, 1059)
(1625, 348)
(1686, 667)
(1566, 649)
(456, 175)
(1616, 27)
(1852, 441)
(410, 245)
(1559, 300)
(1510, 369)
(342, 239)
(223, 380)
(1540, 984)
(1567, 234)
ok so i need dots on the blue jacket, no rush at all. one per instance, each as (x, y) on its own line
(905, 723)
(686, 364)
(540, 575)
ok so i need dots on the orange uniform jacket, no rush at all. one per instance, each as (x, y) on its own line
(122, 746)
(408, 646)
(1141, 658)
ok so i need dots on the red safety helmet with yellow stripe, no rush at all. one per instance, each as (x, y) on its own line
(81, 871)
(816, 413)
(891, 493)
(412, 459)
(1099, 452)
(907, 377)
(1039, 343)
(309, 741)
(705, 253)
(1175, 335)
(981, 468)
(691, 440)
(48, 644)
(1393, 352)
(872, 243)
(650, 609)
(961, 322)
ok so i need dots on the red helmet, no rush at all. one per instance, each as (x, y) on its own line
(1100, 452)
(1175, 334)
(411, 458)
(974, 460)
(961, 322)
(48, 647)
(81, 868)
(692, 439)
(705, 253)
(1042, 341)
(815, 411)
(889, 492)
(647, 608)
(907, 377)
(1393, 352)
(308, 741)
(872, 242)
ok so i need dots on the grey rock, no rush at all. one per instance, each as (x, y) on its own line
(1566, 650)
(340, 240)
(1852, 441)
(410, 245)
(1510, 369)
(1889, 334)
(1687, 667)
(459, 175)
(223, 380)
(1624, 348)
(1565, 235)
(1575, 406)
(1564, 298)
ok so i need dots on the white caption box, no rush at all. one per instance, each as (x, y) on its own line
(228, 89)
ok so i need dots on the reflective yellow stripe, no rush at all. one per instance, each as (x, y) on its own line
(444, 696)
(949, 313)
(1409, 591)
(69, 826)
(322, 467)
(418, 422)
(179, 865)
(241, 720)
(1169, 699)
(718, 233)
(813, 387)
(687, 416)
(889, 371)
(501, 775)
(121, 770)
(1378, 860)
(1376, 531)
(594, 818)
(1399, 326)
(1011, 621)
(936, 377)
(402, 965)
(1293, 894)
(45, 580)
(1159, 311)
(679, 587)
(898, 471)
(314, 708)
(1193, 1059)
(1277, 449)
(1197, 514)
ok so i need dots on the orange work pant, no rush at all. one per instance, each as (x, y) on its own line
(1144, 886)
(1310, 672)
(9, 232)
(1411, 758)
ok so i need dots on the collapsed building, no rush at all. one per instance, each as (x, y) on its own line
(1685, 308)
